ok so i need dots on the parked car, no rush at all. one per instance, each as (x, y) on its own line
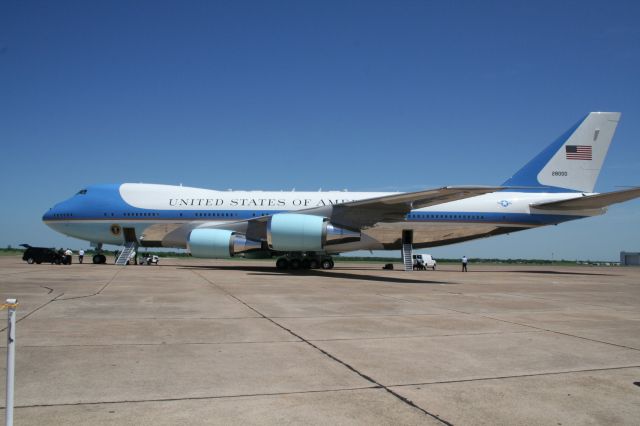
(423, 261)
(41, 254)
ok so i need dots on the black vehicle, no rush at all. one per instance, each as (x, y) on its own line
(41, 254)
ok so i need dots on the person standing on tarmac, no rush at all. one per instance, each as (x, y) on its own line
(80, 255)
(464, 263)
(68, 255)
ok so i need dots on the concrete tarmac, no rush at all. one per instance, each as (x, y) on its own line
(236, 342)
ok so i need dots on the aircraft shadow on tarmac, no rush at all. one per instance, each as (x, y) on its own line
(264, 270)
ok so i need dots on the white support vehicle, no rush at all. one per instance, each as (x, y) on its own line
(423, 261)
(149, 259)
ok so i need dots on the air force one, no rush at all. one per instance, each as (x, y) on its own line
(304, 229)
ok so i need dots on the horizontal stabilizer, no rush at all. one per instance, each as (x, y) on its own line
(587, 202)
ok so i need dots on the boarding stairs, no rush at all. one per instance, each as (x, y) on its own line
(407, 256)
(125, 253)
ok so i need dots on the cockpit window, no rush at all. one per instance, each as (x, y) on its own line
(82, 192)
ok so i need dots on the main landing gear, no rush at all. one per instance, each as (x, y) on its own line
(304, 262)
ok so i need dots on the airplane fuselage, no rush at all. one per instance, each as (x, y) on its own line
(152, 213)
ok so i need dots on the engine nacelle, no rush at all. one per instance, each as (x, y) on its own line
(300, 232)
(219, 243)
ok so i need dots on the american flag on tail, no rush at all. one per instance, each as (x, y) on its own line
(578, 152)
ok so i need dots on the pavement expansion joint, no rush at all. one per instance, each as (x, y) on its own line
(395, 298)
(196, 398)
(516, 376)
(427, 336)
(549, 299)
(356, 316)
(115, 345)
(563, 333)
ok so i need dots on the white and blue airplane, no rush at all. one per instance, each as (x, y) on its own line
(303, 229)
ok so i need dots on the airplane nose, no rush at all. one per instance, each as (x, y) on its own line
(48, 215)
(55, 212)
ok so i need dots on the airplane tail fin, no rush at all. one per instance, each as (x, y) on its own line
(573, 161)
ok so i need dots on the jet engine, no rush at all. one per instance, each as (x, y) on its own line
(299, 232)
(219, 243)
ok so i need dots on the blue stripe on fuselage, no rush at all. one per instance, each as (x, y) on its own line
(490, 217)
(103, 202)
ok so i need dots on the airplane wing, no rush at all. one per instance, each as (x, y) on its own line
(393, 208)
(587, 202)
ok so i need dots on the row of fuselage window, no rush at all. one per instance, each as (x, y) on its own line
(154, 214)
(410, 216)
(445, 216)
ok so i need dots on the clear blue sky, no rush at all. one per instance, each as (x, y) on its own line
(364, 95)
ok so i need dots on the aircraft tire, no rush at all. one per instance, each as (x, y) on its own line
(282, 264)
(295, 264)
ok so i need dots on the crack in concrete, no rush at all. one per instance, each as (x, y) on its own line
(59, 298)
(331, 356)
(96, 293)
(33, 311)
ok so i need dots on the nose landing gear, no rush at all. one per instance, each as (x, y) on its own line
(99, 258)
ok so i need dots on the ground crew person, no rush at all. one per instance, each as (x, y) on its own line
(464, 263)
